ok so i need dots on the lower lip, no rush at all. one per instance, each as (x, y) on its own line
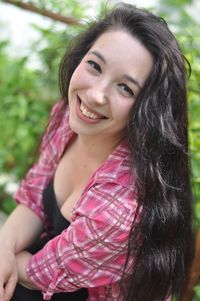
(83, 117)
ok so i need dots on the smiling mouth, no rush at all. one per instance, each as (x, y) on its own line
(90, 114)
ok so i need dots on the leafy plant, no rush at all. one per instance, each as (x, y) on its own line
(27, 94)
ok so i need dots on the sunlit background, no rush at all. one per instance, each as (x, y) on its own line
(17, 22)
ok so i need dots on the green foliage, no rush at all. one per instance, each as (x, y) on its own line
(27, 94)
(191, 48)
(73, 8)
(187, 30)
(21, 113)
(197, 294)
(6, 202)
(177, 3)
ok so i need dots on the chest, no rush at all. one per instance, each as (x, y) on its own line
(70, 179)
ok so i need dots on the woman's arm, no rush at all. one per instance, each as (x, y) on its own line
(21, 228)
(22, 261)
(18, 232)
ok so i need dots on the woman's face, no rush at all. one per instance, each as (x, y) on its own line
(104, 86)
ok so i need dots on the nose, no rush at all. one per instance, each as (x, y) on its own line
(98, 95)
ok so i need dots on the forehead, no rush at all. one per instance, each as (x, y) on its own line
(114, 39)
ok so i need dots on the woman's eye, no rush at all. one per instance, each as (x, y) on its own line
(125, 89)
(94, 66)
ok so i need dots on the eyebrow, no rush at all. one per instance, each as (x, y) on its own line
(98, 55)
(131, 79)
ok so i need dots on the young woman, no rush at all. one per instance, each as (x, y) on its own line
(105, 213)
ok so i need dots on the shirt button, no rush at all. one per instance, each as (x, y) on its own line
(73, 217)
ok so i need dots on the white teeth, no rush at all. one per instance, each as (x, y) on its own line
(87, 113)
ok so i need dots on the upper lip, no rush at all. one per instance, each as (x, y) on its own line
(90, 109)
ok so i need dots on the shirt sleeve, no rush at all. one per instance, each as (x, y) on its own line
(92, 251)
(36, 179)
(31, 188)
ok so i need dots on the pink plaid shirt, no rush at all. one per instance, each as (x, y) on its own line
(91, 252)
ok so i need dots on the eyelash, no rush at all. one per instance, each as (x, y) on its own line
(127, 89)
(94, 66)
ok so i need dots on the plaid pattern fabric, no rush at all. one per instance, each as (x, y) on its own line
(92, 251)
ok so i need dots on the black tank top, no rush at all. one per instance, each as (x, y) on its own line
(52, 211)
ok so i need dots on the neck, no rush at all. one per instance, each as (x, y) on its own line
(94, 150)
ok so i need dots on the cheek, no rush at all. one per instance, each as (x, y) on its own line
(78, 77)
(74, 82)
(123, 111)
(75, 78)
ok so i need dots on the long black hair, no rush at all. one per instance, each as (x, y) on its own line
(157, 132)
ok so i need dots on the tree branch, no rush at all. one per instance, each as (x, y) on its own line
(44, 12)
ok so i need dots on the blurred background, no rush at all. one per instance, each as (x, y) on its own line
(31, 47)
